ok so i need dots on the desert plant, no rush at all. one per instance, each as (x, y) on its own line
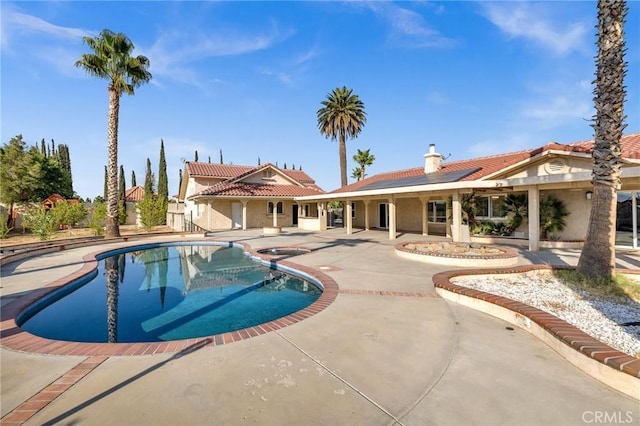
(515, 208)
(552, 214)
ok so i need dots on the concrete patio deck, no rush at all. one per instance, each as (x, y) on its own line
(387, 351)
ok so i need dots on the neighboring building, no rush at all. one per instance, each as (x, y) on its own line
(133, 196)
(220, 196)
(429, 199)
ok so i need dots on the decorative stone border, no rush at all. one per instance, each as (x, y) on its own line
(13, 337)
(604, 363)
(508, 257)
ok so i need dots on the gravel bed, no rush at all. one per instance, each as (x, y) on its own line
(596, 317)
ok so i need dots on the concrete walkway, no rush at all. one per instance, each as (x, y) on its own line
(367, 359)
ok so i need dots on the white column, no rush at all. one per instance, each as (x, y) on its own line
(346, 217)
(456, 207)
(533, 215)
(425, 223)
(275, 213)
(244, 215)
(392, 218)
(366, 214)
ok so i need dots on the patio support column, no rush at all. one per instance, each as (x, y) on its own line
(244, 215)
(275, 213)
(322, 217)
(366, 214)
(209, 205)
(346, 217)
(392, 218)
(425, 223)
(456, 229)
(533, 215)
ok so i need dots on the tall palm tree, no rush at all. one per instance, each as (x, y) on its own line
(111, 59)
(598, 257)
(342, 116)
(364, 159)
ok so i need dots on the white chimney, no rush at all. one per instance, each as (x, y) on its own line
(432, 160)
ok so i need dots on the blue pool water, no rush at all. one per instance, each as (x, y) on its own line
(168, 292)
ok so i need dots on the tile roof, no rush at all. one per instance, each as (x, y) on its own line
(216, 170)
(243, 189)
(134, 194)
(233, 186)
(492, 164)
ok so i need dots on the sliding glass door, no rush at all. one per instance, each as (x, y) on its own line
(627, 219)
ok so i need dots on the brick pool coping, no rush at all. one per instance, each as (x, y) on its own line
(561, 331)
(14, 338)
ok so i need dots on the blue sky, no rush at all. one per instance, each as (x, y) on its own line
(247, 78)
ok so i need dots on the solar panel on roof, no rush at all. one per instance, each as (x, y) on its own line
(427, 179)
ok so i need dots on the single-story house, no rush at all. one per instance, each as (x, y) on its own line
(133, 196)
(225, 196)
(430, 199)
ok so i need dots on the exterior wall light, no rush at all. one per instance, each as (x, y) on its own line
(588, 195)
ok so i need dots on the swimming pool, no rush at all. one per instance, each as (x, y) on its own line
(170, 291)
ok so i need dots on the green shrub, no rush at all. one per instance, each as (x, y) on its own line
(41, 222)
(4, 228)
(96, 219)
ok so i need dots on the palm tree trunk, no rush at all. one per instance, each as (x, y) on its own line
(111, 268)
(343, 159)
(598, 255)
(112, 226)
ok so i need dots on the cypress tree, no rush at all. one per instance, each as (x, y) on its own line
(163, 180)
(148, 181)
(133, 178)
(221, 160)
(122, 185)
(196, 156)
(43, 148)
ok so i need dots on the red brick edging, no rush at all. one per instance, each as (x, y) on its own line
(565, 332)
(14, 338)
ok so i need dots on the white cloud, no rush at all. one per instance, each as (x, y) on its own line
(184, 48)
(408, 28)
(558, 110)
(15, 22)
(522, 19)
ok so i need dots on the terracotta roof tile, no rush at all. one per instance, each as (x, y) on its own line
(216, 170)
(492, 164)
(134, 194)
(243, 189)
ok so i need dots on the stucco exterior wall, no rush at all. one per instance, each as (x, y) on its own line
(409, 214)
(579, 208)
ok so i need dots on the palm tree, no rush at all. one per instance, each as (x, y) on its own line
(364, 159)
(356, 173)
(598, 257)
(342, 116)
(111, 59)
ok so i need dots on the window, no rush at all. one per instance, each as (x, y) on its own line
(489, 207)
(436, 211)
(270, 207)
(267, 174)
(353, 210)
(305, 210)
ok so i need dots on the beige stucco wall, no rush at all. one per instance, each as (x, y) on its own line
(580, 208)
(554, 166)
